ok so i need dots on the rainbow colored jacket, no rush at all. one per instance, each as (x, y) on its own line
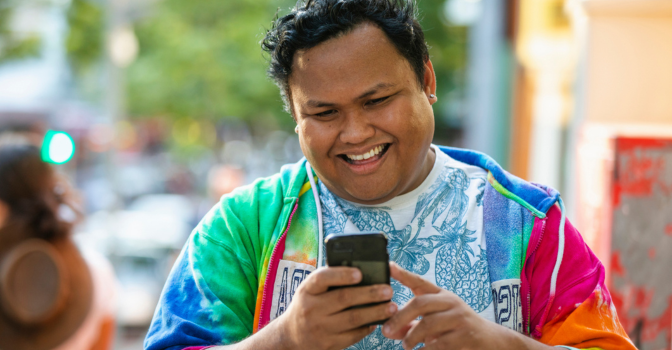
(546, 282)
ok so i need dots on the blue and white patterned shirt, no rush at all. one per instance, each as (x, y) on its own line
(435, 231)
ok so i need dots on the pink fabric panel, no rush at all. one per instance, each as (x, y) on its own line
(265, 312)
(525, 295)
(580, 274)
(276, 256)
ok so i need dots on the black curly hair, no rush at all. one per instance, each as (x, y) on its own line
(312, 22)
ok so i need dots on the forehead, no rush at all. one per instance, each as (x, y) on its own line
(347, 65)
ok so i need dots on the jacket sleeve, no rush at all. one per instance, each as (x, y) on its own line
(210, 295)
(581, 314)
(197, 308)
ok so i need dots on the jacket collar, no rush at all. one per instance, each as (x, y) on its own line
(536, 198)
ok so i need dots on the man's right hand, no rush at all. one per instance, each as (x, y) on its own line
(318, 319)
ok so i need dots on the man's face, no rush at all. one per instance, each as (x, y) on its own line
(365, 124)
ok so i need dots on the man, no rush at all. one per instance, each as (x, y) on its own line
(482, 259)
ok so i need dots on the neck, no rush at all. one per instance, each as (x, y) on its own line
(427, 166)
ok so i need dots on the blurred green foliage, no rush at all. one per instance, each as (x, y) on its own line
(448, 52)
(84, 41)
(202, 59)
(13, 45)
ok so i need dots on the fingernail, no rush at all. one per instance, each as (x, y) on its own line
(387, 329)
(391, 308)
(356, 275)
(386, 292)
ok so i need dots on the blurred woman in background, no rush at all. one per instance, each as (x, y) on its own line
(51, 295)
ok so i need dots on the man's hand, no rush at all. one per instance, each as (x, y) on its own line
(447, 321)
(318, 319)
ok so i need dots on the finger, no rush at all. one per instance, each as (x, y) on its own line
(351, 337)
(401, 333)
(418, 306)
(429, 328)
(444, 341)
(417, 284)
(319, 281)
(355, 318)
(343, 298)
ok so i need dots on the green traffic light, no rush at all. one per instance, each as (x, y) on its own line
(58, 147)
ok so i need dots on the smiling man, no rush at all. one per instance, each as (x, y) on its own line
(481, 259)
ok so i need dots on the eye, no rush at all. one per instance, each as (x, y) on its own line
(326, 113)
(377, 100)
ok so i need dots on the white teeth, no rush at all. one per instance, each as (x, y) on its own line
(366, 155)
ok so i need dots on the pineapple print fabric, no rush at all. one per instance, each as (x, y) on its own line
(435, 231)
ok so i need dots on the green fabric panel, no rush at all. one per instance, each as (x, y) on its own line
(528, 225)
(302, 241)
(228, 297)
(229, 247)
(229, 251)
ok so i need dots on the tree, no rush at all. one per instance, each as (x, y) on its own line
(448, 52)
(84, 42)
(201, 58)
(15, 45)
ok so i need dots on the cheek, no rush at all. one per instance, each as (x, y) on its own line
(421, 122)
(409, 123)
(316, 139)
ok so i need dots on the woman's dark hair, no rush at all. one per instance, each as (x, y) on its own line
(312, 22)
(29, 189)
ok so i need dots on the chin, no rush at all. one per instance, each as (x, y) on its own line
(367, 195)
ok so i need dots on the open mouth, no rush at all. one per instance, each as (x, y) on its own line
(371, 156)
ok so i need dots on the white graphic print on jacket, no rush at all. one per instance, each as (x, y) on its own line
(435, 231)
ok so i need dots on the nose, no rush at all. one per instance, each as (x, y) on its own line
(356, 129)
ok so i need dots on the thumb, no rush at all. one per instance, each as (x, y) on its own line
(417, 284)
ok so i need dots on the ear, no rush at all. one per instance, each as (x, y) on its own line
(429, 81)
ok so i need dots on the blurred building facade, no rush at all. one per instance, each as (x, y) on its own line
(622, 156)
(593, 118)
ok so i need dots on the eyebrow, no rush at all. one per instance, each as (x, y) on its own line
(373, 90)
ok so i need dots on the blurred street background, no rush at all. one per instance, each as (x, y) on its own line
(169, 107)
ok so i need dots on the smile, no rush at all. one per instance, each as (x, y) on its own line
(367, 157)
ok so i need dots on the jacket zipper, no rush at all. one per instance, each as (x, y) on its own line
(264, 298)
(529, 287)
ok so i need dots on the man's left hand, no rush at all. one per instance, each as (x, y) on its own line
(447, 321)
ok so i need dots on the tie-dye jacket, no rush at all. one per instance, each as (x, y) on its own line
(546, 282)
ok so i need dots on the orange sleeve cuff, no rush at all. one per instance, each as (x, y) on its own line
(593, 324)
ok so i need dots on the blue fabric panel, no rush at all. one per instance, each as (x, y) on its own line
(173, 323)
(503, 227)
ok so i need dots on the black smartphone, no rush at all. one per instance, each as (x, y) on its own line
(366, 251)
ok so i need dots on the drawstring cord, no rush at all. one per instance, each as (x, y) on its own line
(561, 248)
(318, 205)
